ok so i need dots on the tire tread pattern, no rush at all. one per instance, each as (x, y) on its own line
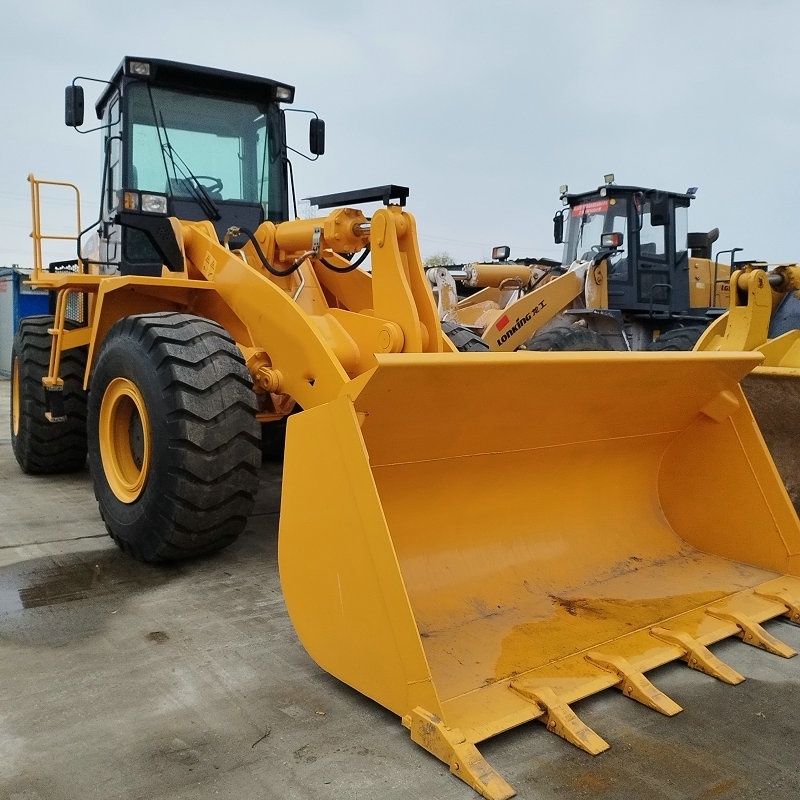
(682, 339)
(464, 339)
(42, 447)
(565, 339)
(199, 501)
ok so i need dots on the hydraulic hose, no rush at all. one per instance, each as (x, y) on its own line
(283, 273)
(350, 267)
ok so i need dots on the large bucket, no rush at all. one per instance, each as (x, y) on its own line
(478, 541)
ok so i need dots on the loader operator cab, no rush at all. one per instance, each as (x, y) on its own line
(189, 142)
(649, 274)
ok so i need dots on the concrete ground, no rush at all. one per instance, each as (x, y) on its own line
(121, 680)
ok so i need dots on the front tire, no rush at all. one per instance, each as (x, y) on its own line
(174, 444)
(464, 339)
(677, 339)
(42, 447)
(573, 338)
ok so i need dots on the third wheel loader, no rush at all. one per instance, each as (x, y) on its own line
(207, 308)
(764, 316)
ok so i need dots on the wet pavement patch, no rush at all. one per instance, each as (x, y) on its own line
(53, 600)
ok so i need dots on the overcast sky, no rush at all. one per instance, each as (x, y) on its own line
(482, 108)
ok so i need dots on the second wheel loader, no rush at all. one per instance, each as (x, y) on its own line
(207, 310)
(632, 278)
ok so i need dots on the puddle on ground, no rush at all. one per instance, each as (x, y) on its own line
(56, 599)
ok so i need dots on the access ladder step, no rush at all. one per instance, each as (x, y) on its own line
(54, 403)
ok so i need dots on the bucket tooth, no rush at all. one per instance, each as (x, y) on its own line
(785, 599)
(750, 632)
(633, 683)
(561, 719)
(451, 746)
(697, 655)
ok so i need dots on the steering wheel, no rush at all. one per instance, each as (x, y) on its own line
(214, 187)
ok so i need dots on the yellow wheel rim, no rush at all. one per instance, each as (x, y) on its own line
(16, 401)
(125, 445)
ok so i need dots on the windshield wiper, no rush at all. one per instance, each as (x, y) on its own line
(180, 167)
(191, 181)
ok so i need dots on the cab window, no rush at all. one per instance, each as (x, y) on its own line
(652, 238)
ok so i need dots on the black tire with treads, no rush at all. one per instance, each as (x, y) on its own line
(197, 450)
(464, 339)
(42, 447)
(565, 339)
(679, 339)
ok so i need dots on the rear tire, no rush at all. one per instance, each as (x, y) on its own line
(677, 339)
(464, 339)
(42, 447)
(174, 443)
(564, 339)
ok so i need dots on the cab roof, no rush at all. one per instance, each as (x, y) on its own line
(203, 80)
(615, 190)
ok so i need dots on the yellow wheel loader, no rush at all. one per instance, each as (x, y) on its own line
(764, 316)
(632, 278)
(466, 613)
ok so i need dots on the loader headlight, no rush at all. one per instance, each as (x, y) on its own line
(284, 94)
(147, 202)
(612, 241)
(154, 203)
(141, 68)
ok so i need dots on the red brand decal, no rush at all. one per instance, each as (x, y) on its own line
(593, 207)
(502, 322)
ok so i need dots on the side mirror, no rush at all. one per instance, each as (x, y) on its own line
(659, 213)
(316, 136)
(73, 106)
(558, 227)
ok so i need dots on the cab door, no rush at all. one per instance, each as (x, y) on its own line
(661, 284)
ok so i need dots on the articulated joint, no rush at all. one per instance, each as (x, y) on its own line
(269, 379)
(265, 377)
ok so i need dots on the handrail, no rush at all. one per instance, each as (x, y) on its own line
(717, 280)
(36, 209)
